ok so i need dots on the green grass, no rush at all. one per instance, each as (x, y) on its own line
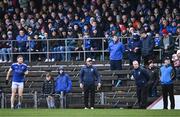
(88, 113)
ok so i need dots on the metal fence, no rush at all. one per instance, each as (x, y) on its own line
(65, 48)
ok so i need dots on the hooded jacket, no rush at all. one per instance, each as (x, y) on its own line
(63, 83)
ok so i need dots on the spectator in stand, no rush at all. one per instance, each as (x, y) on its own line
(134, 48)
(154, 78)
(157, 41)
(103, 16)
(116, 51)
(71, 43)
(48, 90)
(87, 43)
(21, 41)
(176, 62)
(147, 48)
(167, 44)
(4, 46)
(167, 75)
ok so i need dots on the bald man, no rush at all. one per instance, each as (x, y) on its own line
(141, 78)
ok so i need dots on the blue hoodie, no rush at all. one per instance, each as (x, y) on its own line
(63, 83)
(166, 74)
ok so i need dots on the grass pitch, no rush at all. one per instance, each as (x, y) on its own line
(88, 113)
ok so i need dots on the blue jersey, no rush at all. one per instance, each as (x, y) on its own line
(18, 72)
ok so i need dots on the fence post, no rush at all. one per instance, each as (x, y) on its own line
(2, 100)
(84, 49)
(103, 49)
(35, 99)
(12, 43)
(47, 49)
(29, 51)
(61, 99)
(66, 50)
(102, 98)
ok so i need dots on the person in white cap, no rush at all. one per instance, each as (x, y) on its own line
(88, 77)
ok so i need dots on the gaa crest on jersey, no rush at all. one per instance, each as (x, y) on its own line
(92, 69)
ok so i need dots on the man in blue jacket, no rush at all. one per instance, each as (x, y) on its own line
(88, 78)
(141, 78)
(63, 85)
(63, 82)
(116, 50)
(166, 78)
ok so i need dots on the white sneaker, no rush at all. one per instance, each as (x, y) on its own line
(52, 59)
(0, 61)
(9, 61)
(5, 61)
(92, 107)
(46, 60)
(85, 108)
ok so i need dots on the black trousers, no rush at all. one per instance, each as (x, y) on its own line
(142, 95)
(89, 90)
(168, 89)
(116, 64)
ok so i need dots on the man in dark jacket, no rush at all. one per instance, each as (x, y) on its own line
(141, 78)
(88, 78)
(167, 44)
(134, 48)
(167, 75)
(154, 78)
(147, 48)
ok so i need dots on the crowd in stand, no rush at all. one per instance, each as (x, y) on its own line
(31, 22)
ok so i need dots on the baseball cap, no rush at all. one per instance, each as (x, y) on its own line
(61, 68)
(88, 59)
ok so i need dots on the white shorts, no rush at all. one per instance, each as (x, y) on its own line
(16, 85)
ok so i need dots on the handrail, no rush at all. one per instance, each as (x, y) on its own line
(66, 52)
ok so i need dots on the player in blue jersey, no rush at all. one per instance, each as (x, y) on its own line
(19, 70)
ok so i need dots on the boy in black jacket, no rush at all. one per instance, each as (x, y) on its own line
(48, 90)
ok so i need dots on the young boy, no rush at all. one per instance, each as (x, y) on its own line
(48, 90)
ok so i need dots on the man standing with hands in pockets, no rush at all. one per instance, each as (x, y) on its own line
(88, 78)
